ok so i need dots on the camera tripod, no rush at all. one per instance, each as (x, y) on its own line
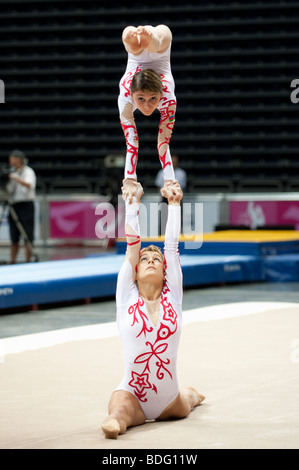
(5, 203)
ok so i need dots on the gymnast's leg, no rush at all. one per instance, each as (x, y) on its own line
(124, 410)
(151, 39)
(183, 404)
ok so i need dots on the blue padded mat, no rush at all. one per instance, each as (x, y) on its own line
(205, 270)
(95, 277)
(227, 247)
(282, 268)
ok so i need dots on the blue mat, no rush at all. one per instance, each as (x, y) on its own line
(95, 277)
(57, 281)
(227, 247)
(205, 270)
(282, 268)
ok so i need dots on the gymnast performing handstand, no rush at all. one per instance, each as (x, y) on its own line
(147, 84)
(149, 317)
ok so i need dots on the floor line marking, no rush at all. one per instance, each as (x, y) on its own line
(35, 341)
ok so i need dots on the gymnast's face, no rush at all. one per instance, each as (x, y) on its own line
(146, 101)
(150, 267)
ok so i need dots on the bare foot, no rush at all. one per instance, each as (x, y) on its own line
(131, 40)
(197, 398)
(111, 428)
(145, 36)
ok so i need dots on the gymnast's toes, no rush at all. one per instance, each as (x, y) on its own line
(111, 428)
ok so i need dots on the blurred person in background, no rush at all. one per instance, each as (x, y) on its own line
(21, 191)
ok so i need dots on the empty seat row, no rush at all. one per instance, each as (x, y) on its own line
(233, 63)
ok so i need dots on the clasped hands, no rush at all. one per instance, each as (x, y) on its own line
(14, 177)
(171, 191)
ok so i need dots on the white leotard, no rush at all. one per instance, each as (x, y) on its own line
(160, 63)
(150, 351)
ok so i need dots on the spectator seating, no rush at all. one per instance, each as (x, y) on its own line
(233, 63)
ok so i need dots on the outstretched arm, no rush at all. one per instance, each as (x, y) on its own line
(127, 274)
(174, 280)
(132, 222)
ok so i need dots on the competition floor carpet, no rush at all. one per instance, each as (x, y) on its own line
(243, 356)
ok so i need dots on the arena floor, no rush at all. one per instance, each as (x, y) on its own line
(239, 347)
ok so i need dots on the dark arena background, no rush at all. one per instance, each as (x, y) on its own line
(233, 63)
(235, 66)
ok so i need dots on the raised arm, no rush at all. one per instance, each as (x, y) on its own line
(132, 222)
(132, 229)
(127, 274)
(174, 279)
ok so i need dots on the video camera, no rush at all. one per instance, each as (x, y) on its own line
(4, 175)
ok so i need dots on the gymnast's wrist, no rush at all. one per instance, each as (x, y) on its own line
(130, 180)
(174, 203)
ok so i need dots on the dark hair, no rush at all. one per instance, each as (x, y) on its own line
(147, 80)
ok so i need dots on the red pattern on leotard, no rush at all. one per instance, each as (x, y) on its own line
(168, 326)
(127, 81)
(131, 149)
(167, 120)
